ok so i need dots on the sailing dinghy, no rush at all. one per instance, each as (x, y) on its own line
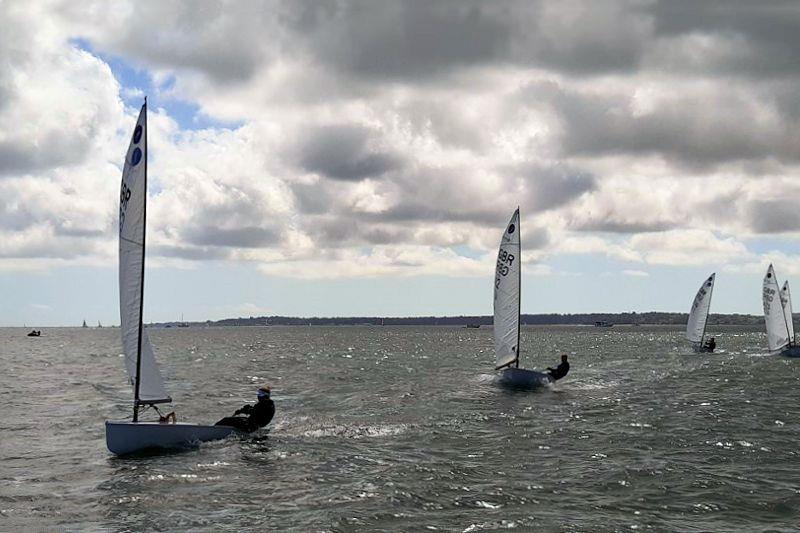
(507, 281)
(128, 437)
(698, 316)
(778, 318)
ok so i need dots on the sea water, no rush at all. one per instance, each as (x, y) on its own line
(405, 429)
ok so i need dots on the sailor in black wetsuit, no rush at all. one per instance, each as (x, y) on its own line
(560, 371)
(710, 344)
(258, 415)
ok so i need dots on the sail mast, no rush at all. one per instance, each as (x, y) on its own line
(141, 288)
(519, 284)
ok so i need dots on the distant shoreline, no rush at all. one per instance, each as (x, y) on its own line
(551, 319)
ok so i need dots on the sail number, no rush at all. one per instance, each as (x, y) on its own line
(768, 296)
(504, 262)
(124, 196)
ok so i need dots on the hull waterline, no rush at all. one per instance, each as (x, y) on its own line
(523, 379)
(130, 437)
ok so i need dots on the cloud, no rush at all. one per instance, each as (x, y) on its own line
(774, 216)
(379, 138)
(343, 152)
(636, 273)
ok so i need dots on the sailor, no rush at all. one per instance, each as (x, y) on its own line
(711, 344)
(561, 370)
(258, 415)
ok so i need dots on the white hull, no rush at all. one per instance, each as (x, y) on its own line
(130, 437)
(525, 379)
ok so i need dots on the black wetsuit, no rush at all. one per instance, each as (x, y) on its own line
(258, 416)
(710, 345)
(559, 372)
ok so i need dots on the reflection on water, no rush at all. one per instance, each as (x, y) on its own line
(400, 428)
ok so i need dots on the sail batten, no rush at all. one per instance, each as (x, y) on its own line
(698, 314)
(507, 296)
(139, 358)
(774, 317)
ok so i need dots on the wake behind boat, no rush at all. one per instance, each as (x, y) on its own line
(698, 318)
(126, 437)
(507, 285)
(778, 318)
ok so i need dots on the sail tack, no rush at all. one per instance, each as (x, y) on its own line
(133, 195)
(777, 326)
(506, 295)
(698, 314)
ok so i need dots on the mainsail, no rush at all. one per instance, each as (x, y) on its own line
(786, 301)
(698, 315)
(506, 296)
(139, 359)
(777, 327)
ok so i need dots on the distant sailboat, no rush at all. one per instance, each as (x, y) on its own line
(99, 325)
(128, 437)
(698, 316)
(84, 325)
(778, 318)
(507, 286)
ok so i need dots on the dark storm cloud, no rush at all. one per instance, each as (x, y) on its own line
(693, 129)
(348, 230)
(238, 237)
(552, 187)
(774, 216)
(768, 32)
(611, 224)
(343, 152)
(54, 148)
(404, 39)
(191, 253)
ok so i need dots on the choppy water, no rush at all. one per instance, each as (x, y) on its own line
(400, 428)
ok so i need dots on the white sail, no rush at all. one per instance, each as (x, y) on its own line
(133, 195)
(786, 301)
(506, 295)
(698, 314)
(777, 330)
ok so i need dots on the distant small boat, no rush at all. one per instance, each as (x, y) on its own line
(99, 325)
(778, 318)
(84, 325)
(35, 333)
(125, 437)
(507, 285)
(473, 326)
(698, 316)
(603, 324)
(182, 324)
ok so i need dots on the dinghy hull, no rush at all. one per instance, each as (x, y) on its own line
(698, 348)
(790, 351)
(523, 379)
(131, 437)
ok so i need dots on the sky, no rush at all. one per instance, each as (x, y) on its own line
(341, 158)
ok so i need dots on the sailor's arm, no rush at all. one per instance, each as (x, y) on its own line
(245, 410)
